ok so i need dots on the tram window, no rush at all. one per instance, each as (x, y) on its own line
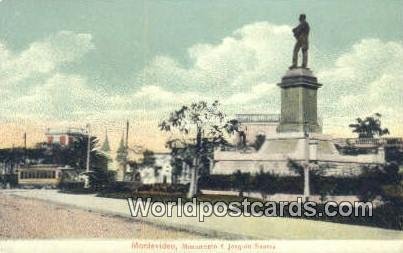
(22, 175)
(53, 174)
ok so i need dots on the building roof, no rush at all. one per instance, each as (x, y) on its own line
(68, 131)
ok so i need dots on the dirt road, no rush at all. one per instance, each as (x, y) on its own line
(22, 218)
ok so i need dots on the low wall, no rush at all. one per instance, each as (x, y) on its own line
(284, 197)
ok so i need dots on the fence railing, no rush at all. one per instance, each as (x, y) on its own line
(375, 141)
(258, 117)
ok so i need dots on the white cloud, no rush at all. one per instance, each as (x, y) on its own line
(253, 54)
(62, 96)
(31, 83)
(364, 80)
(43, 57)
(241, 71)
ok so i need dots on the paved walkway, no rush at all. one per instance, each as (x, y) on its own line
(222, 227)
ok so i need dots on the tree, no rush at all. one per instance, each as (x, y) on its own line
(75, 154)
(382, 181)
(149, 161)
(266, 183)
(242, 181)
(101, 178)
(369, 127)
(182, 155)
(260, 139)
(148, 158)
(204, 121)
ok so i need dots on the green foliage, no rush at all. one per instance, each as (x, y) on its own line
(384, 181)
(242, 181)
(100, 178)
(369, 127)
(266, 183)
(394, 155)
(74, 155)
(260, 139)
(296, 167)
(148, 158)
(17, 155)
(201, 127)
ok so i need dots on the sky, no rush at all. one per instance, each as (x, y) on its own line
(69, 63)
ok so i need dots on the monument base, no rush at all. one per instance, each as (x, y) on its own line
(275, 154)
(299, 101)
(298, 137)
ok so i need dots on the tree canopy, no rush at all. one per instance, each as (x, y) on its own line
(196, 129)
(369, 127)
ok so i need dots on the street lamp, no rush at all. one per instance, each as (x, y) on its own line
(87, 179)
(306, 163)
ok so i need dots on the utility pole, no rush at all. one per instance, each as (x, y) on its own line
(25, 149)
(87, 178)
(127, 134)
(88, 148)
(127, 147)
(307, 191)
(193, 187)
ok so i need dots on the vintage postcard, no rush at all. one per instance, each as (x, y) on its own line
(201, 126)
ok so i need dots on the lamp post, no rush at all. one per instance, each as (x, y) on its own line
(306, 164)
(88, 148)
(87, 179)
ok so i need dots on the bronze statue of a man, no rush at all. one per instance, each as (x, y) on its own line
(301, 33)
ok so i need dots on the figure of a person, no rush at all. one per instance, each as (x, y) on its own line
(301, 33)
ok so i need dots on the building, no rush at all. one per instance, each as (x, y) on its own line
(65, 136)
(121, 160)
(160, 172)
(298, 137)
(106, 151)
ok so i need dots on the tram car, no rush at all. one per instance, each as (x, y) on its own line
(41, 175)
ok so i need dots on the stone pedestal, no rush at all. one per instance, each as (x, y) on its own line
(299, 102)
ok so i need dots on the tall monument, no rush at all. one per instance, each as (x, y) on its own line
(299, 88)
(299, 135)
